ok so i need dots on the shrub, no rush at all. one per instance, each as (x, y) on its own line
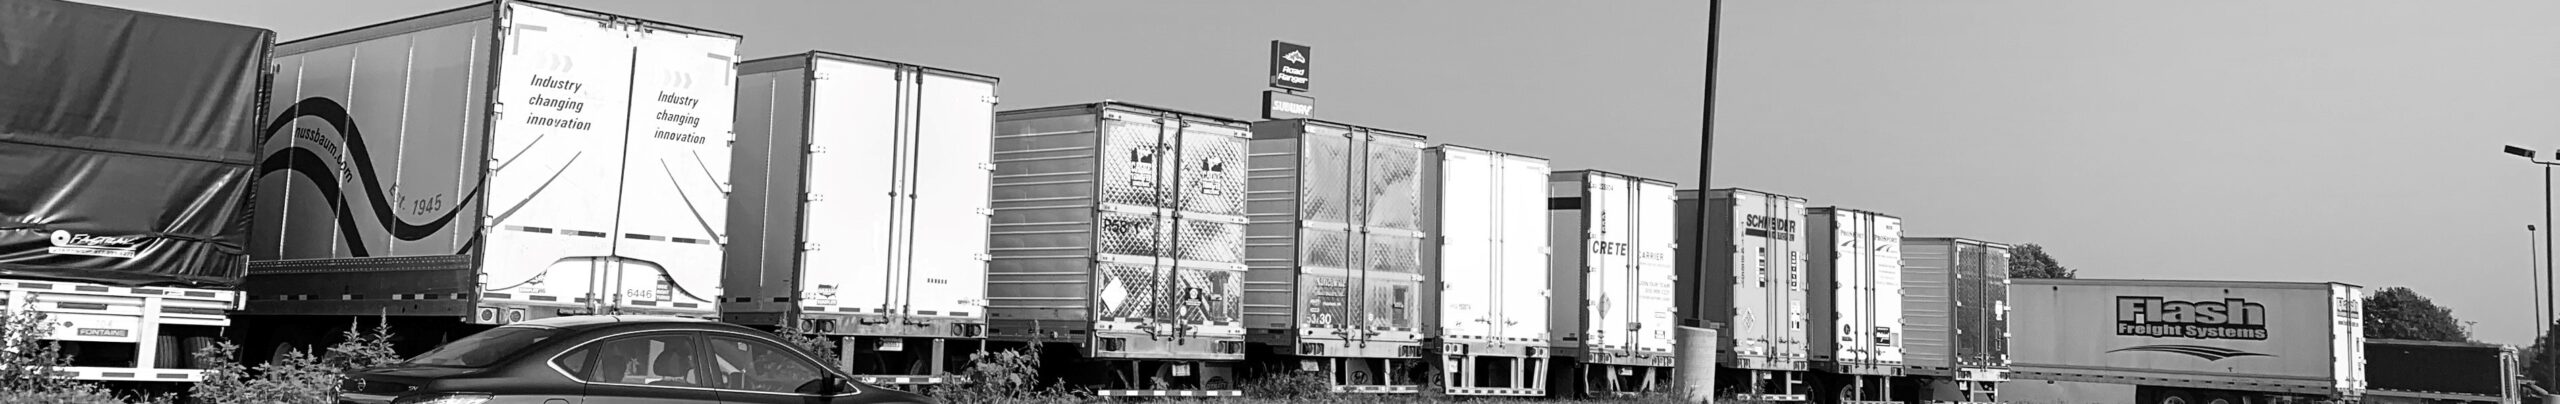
(297, 376)
(1006, 376)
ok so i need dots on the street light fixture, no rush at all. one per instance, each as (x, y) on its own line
(2550, 356)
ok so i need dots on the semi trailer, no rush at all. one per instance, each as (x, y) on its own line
(490, 164)
(1118, 244)
(1335, 254)
(1752, 289)
(860, 210)
(1612, 280)
(1955, 304)
(1855, 302)
(2402, 371)
(128, 141)
(2187, 341)
(1486, 291)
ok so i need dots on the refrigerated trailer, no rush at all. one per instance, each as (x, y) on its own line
(1119, 246)
(1955, 304)
(1485, 295)
(127, 145)
(1751, 288)
(1612, 280)
(491, 164)
(860, 210)
(2187, 341)
(1855, 300)
(1335, 251)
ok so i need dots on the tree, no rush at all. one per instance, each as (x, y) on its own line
(2030, 261)
(2537, 363)
(2400, 313)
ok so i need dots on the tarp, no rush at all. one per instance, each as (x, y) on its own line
(126, 144)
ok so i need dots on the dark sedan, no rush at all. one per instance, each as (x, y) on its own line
(614, 359)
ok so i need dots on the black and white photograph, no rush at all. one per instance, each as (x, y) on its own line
(1159, 201)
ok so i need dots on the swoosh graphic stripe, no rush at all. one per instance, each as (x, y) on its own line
(336, 115)
(708, 233)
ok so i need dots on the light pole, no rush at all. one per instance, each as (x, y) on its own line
(2550, 356)
(2535, 302)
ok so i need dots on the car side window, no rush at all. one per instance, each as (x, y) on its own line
(668, 359)
(755, 365)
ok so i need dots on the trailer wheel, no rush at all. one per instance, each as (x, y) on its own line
(2219, 398)
(194, 345)
(2177, 397)
(169, 354)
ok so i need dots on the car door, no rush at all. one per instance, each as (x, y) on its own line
(645, 367)
(752, 370)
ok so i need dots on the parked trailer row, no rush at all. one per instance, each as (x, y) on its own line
(527, 160)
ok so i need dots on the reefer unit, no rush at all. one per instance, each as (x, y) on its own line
(2193, 339)
(861, 206)
(1119, 230)
(1955, 308)
(1856, 293)
(496, 163)
(1612, 279)
(1336, 251)
(1485, 298)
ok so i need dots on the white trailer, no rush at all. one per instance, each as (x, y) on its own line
(1856, 304)
(1752, 288)
(1488, 257)
(491, 164)
(2186, 341)
(1613, 290)
(860, 210)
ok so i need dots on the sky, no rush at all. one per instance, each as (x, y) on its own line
(2280, 140)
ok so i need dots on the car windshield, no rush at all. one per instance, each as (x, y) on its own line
(485, 348)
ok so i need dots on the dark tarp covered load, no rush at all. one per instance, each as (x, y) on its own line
(127, 143)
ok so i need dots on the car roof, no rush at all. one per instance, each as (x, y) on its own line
(585, 322)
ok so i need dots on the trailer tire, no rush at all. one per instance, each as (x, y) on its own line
(2176, 397)
(194, 345)
(2218, 398)
(169, 356)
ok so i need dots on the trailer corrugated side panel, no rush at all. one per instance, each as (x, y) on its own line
(602, 185)
(1352, 242)
(2301, 338)
(1616, 285)
(895, 154)
(1928, 306)
(1756, 255)
(1856, 298)
(1120, 222)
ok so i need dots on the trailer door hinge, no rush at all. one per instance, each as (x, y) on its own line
(989, 99)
